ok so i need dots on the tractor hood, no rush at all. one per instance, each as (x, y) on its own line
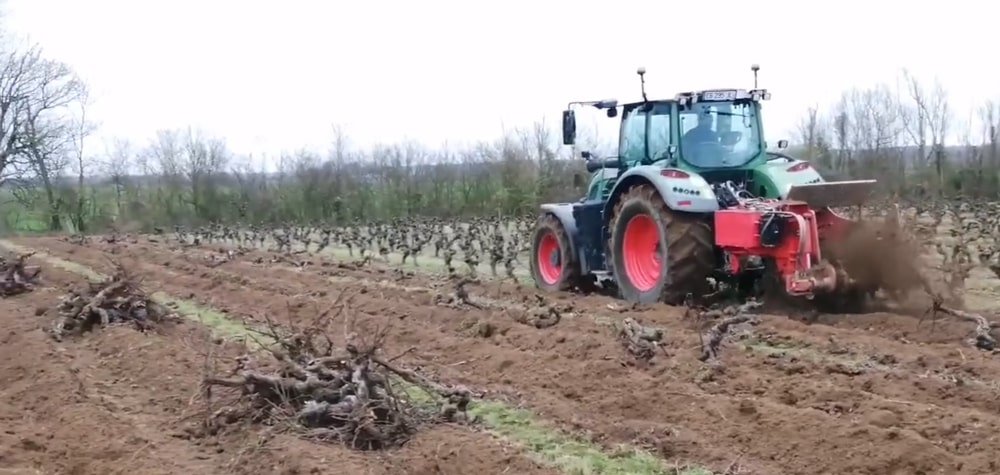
(798, 180)
(784, 174)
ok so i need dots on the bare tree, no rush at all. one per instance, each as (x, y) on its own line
(17, 86)
(204, 159)
(914, 115)
(810, 133)
(971, 180)
(927, 116)
(989, 119)
(117, 158)
(339, 167)
(167, 155)
(939, 118)
(340, 144)
(82, 128)
(842, 135)
(42, 132)
(313, 181)
(45, 158)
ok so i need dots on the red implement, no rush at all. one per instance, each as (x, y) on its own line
(788, 232)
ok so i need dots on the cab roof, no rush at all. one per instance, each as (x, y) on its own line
(713, 95)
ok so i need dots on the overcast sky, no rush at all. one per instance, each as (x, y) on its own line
(271, 76)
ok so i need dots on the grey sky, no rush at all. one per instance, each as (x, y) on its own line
(271, 76)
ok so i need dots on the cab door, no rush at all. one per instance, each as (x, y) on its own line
(646, 133)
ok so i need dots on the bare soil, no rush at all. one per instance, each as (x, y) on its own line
(876, 393)
(119, 401)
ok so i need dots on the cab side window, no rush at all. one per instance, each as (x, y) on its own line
(633, 140)
(633, 143)
(659, 132)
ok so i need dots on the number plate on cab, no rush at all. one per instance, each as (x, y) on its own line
(718, 95)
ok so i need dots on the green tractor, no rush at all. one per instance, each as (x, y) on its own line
(694, 194)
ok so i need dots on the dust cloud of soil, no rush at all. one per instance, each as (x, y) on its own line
(886, 270)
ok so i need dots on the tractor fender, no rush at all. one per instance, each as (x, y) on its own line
(682, 190)
(564, 213)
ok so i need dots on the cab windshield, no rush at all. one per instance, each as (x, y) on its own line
(719, 134)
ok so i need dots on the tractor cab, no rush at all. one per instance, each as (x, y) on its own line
(717, 134)
(719, 129)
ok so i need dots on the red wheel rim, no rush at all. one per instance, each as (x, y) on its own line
(549, 259)
(641, 252)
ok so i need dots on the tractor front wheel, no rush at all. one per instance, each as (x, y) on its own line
(658, 254)
(553, 266)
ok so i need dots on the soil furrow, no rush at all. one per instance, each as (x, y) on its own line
(757, 407)
(118, 401)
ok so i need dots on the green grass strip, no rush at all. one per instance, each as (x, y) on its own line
(569, 454)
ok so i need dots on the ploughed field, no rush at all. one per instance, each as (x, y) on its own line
(470, 374)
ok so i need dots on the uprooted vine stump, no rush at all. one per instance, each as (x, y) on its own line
(640, 341)
(349, 395)
(16, 277)
(541, 314)
(116, 300)
(982, 337)
(711, 340)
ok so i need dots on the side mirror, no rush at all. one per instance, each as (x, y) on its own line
(782, 144)
(613, 112)
(568, 127)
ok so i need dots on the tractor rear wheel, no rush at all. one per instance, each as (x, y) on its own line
(658, 254)
(553, 266)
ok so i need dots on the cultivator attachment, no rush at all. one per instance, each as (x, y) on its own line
(784, 233)
(810, 248)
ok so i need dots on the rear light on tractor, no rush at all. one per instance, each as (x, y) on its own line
(798, 167)
(669, 173)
